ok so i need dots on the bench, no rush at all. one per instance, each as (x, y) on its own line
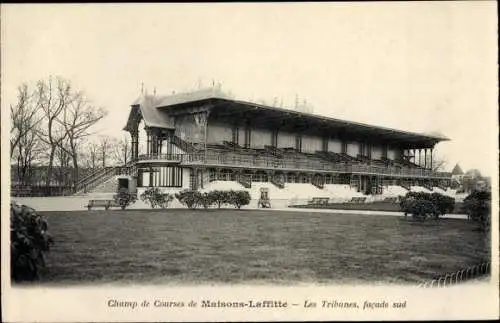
(319, 201)
(101, 203)
(358, 200)
(391, 199)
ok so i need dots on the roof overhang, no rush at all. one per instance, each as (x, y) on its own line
(266, 116)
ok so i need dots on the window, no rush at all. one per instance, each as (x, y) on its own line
(163, 177)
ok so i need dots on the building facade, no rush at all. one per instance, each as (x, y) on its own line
(185, 141)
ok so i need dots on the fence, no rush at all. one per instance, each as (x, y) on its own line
(459, 276)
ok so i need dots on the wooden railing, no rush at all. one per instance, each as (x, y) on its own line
(306, 162)
(167, 157)
(245, 181)
(182, 144)
(276, 182)
(94, 179)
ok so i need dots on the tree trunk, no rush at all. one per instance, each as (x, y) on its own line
(50, 166)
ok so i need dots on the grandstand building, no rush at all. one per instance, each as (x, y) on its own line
(188, 140)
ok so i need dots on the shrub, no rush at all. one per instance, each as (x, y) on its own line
(124, 198)
(154, 197)
(477, 205)
(442, 204)
(190, 198)
(219, 197)
(421, 209)
(205, 199)
(239, 198)
(29, 240)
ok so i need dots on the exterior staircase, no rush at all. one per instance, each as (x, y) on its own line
(245, 182)
(184, 145)
(405, 185)
(279, 184)
(102, 175)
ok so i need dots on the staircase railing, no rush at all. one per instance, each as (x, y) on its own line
(96, 178)
(277, 183)
(245, 181)
(405, 186)
(428, 186)
(182, 144)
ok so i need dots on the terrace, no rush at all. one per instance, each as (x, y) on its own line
(289, 160)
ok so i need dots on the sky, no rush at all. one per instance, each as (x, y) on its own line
(423, 67)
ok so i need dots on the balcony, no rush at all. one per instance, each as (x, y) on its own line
(296, 163)
(164, 158)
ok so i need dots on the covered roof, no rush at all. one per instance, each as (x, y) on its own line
(223, 105)
(145, 106)
(158, 111)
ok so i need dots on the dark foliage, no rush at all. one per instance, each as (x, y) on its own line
(154, 197)
(124, 198)
(190, 198)
(421, 204)
(238, 198)
(219, 197)
(193, 199)
(29, 240)
(477, 205)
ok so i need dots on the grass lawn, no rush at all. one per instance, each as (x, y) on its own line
(253, 246)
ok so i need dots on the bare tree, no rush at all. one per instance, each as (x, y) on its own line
(105, 144)
(53, 99)
(439, 162)
(24, 117)
(122, 151)
(78, 116)
(63, 160)
(92, 154)
(24, 142)
(27, 151)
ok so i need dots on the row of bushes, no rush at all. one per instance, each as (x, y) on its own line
(421, 205)
(194, 199)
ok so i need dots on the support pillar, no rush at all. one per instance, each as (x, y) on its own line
(160, 143)
(170, 136)
(432, 149)
(134, 145)
(425, 158)
(148, 145)
(150, 176)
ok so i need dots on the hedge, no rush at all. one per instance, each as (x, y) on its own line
(421, 204)
(193, 199)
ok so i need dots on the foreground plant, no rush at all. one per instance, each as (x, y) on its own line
(154, 197)
(29, 240)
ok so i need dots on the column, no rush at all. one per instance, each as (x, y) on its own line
(431, 156)
(425, 158)
(134, 147)
(169, 143)
(160, 143)
(148, 145)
